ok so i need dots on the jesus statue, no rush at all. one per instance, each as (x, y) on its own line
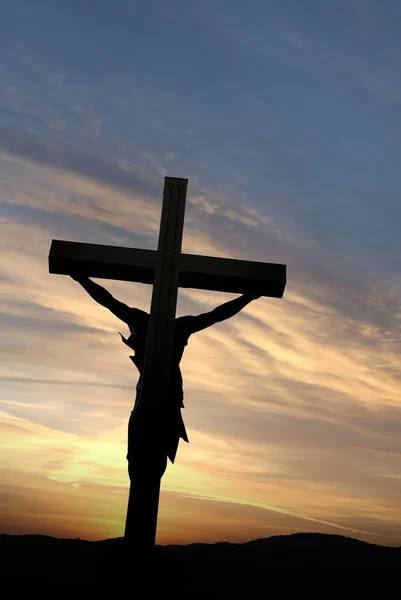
(137, 321)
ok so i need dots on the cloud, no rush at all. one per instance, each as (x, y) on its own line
(62, 473)
(60, 156)
(81, 473)
(36, 381)
(30, 322)
(59, 192)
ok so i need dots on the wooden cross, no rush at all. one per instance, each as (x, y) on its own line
(166, 269)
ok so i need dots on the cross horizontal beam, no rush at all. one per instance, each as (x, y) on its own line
(200, 272)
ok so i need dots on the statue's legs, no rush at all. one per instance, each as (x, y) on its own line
(147, 463)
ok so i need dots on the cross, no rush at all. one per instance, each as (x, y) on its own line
(166, 269)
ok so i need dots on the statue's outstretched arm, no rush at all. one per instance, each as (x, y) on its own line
(222, 312)
(103, 297)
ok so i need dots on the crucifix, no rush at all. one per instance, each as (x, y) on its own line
(166, 268)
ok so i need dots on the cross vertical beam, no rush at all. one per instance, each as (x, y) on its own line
(145, 481)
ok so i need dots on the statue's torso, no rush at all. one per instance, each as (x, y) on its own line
(137, 342)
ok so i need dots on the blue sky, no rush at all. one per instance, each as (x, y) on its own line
(309, 98)
(285, 118)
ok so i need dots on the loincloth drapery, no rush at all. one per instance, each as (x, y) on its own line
(165, 442)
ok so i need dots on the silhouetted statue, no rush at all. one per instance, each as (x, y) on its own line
(137, 321)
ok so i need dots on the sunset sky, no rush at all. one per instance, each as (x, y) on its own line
(285, 116)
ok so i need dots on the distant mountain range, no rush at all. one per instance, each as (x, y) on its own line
(195, 570)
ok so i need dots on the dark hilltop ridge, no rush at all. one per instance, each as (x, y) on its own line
(195, 570)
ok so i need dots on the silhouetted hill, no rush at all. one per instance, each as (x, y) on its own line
(195, 570)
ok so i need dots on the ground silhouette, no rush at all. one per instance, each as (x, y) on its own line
(195, 570)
